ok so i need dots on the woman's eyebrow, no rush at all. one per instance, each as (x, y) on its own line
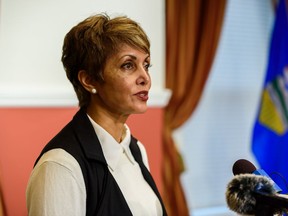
(133, 56)
(129, 55)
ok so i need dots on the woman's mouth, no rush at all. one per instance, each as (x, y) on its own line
(143, 95)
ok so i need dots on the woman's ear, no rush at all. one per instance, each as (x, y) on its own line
(86, 81)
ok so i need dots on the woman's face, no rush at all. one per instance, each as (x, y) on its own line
(126, 82)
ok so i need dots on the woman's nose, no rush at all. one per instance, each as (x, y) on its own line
(144, 77)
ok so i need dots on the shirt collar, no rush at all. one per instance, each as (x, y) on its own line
(112, 150)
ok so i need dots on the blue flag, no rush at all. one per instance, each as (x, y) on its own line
(270, 135)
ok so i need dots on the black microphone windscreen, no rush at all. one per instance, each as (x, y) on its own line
(243, 166)
(240, 194)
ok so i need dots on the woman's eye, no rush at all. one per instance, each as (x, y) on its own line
(127, 66)
(147, 66)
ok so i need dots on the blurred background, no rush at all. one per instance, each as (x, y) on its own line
(219, 131)
(36, 99)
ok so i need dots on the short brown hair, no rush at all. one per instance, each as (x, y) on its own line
(88, 45)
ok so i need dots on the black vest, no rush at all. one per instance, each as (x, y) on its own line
(104, 196)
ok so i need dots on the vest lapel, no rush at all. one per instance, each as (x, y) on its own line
(147, 176)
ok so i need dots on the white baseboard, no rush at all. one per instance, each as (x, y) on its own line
(65, 97)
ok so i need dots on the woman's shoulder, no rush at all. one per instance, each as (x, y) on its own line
(61, 159)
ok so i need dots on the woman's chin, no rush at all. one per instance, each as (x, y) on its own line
(141, 110)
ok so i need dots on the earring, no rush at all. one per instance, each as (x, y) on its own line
(94, 91)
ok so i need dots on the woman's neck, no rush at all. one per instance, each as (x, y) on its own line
(113, 124)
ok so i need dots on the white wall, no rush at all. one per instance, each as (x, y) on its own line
(31, 36)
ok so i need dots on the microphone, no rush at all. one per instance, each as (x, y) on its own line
(251, 194)
(243, 166)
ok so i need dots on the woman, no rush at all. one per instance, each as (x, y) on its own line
(94, 166)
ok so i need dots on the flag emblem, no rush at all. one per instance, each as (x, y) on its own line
(273, 110)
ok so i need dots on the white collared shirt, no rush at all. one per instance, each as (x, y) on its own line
(45, 198)
(138, 194)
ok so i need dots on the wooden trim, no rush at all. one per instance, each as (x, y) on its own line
(55, 97)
